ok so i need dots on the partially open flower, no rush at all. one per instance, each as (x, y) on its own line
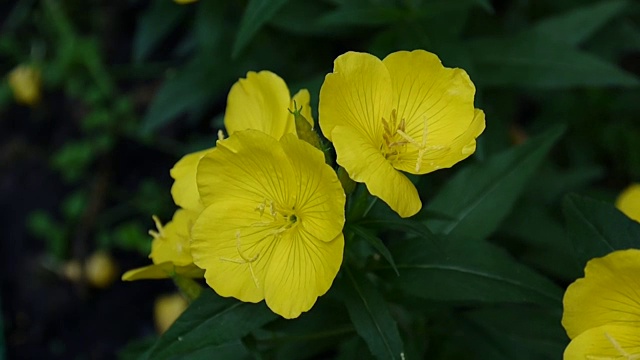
(272, 224)
(170, 250)
(404, 113)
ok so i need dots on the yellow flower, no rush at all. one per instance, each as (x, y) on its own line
(602, 310)
(262, 102)
(182, 2)
(272, 226)
(629, 202)
(24, 81)
(170, 250)
(404, 113)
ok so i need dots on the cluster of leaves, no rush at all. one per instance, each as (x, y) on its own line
(480, 271)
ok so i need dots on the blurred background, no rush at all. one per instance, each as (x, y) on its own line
(99, 99)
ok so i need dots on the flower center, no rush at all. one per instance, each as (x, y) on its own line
(398, 142)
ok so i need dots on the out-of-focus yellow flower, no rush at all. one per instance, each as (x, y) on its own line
(182, 2)
(170, 250)
(404, 113)
(602, 310)
(25, 83)
(629, 202)
(272, 224)
(166, 309)
(100, 269)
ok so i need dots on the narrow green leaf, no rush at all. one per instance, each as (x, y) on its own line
(188, 90)
(534, 60)
(578, 25)
(155, 24)
(210, 322)
(350, 16)
(257, 13)
(469, 271)
(375, 242)
(480, 196)
(596, 228)
(413, 228)
(370, 315)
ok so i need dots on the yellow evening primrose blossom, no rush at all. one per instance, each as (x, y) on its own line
(404, 113)
(602, 310)
(261, 101)
(629, 202)
(24, 81)
(170, 250)
(272, 224)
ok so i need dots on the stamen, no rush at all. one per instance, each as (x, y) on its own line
(157, 234)
(244, 260)
(220, 135)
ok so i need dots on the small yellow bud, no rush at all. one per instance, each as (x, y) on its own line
(182, 2)
(100, 269)
(24, 81)
(167, 309)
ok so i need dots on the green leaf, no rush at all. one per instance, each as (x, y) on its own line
(188, 90)
(370, 315)
(351, 16)
(410, 227)
(597, 228)
(257, 13)
(534, 60)
(155, 24)
(210, 322)
(579, 24)
(515, 332)
(469, 271)
(480, 196)
(375, 242)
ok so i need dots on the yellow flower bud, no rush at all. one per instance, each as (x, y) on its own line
(24, 81)
(167, 309)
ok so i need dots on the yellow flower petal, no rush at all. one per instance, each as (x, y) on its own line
(185, 188)
(162, 271)
(261, 102)
(441, 157)
(357, 94)
(605, 342)
(319, 198)
(222, 173)
(263, 197)
(171, 242)
(231, 250)
(299, 271)
(608, 294)
(365, 163)
(302, 98)
(629, 202)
